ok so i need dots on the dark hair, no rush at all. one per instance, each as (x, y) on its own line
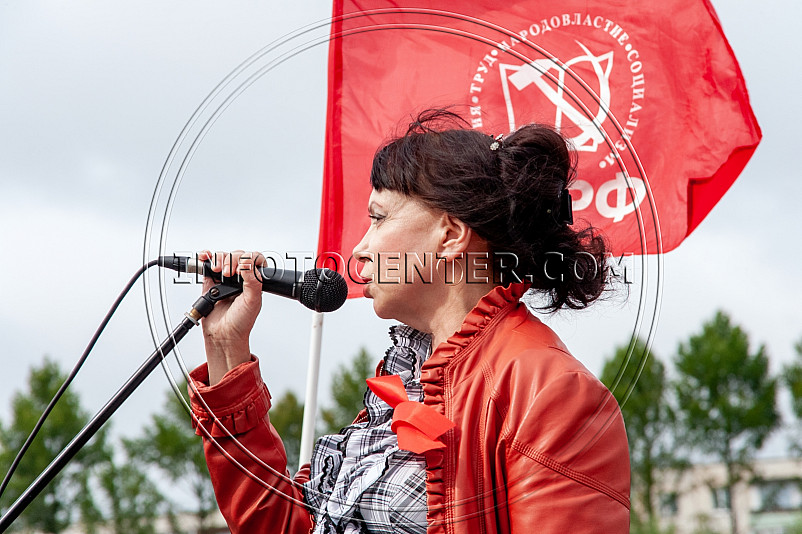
(509, 196)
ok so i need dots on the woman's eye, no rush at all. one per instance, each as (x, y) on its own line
(375, 218)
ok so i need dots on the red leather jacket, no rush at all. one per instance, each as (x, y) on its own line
(539, 445)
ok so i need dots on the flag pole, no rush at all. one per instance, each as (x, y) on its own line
(310, 402)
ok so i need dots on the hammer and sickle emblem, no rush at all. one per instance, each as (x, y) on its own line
(590, 135)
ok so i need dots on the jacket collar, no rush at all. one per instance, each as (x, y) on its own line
(486, 310)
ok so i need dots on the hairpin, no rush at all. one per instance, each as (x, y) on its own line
(566, 208)
(496, 144)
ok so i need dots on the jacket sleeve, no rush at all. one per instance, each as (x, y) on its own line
(246, 457)
(568, 461)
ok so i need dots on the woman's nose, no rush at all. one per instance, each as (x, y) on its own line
(360, 251)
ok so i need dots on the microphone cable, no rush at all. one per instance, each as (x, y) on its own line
(72, 374)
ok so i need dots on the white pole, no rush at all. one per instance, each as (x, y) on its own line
(310, 404)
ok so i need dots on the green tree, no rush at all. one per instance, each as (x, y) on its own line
(169, 443)
(286, 416)
(792, 376)
(639, 383)
(726, 397)
(348, 392)
(54, 509)
(134, 501)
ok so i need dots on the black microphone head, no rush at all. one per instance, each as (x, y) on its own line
(323, 290)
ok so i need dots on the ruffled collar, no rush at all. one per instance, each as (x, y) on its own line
(485, 311)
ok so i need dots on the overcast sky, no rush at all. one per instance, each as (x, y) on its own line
(94, 94)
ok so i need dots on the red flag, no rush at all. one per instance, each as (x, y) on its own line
(649, 93)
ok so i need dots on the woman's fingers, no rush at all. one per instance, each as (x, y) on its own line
(228, 264)
(240, 264)
(247, 263)
(216, 261)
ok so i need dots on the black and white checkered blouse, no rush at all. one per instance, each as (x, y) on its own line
(360, 481)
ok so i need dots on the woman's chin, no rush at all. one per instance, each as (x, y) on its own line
(380, 312)
(380, 309)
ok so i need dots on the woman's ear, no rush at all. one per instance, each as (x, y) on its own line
(456, 238)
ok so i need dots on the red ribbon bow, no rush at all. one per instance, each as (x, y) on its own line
(416, 424)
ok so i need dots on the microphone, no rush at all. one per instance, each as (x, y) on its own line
(322, 290)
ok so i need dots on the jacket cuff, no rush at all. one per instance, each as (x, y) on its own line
(234, 405)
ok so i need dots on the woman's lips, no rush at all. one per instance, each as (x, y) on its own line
(366, 280)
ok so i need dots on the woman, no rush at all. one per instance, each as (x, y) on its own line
(531, 441)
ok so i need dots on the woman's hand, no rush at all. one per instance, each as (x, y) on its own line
(227, 329)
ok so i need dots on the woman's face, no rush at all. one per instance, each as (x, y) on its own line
(402, 233)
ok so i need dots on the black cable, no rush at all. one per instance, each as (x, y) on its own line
(72, 375)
